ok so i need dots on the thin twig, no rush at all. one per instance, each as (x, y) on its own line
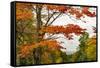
(54, 19)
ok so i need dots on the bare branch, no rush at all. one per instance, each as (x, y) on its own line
(50, 35)
(54, 19)
(52, 38)
(49, 18)
(48, 13)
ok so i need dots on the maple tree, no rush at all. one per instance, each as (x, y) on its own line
(23, 12)
(33, 13)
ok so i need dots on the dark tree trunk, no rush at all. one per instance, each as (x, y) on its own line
(37, 54)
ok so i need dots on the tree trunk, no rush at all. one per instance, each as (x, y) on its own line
(37, 54)
(39, 22)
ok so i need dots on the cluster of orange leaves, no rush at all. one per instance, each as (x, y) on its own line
(72, 28)
(58, 8)
(73, 11)
(51, 44)
(53, 29)
(80, 13)
(23, 11)
(86, 11)
(66, 30)
(27, 49)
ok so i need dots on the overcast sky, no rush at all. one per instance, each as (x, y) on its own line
(73, 45)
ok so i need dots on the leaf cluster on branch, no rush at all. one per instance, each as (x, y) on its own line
(66, 30)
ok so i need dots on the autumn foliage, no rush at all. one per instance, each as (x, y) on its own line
(23, 12)
(66, 30)
(31, 43)
(78, 12)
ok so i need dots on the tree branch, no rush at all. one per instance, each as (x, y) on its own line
(49, 19)
(48, 13)
(71, 17)
(54, 19)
